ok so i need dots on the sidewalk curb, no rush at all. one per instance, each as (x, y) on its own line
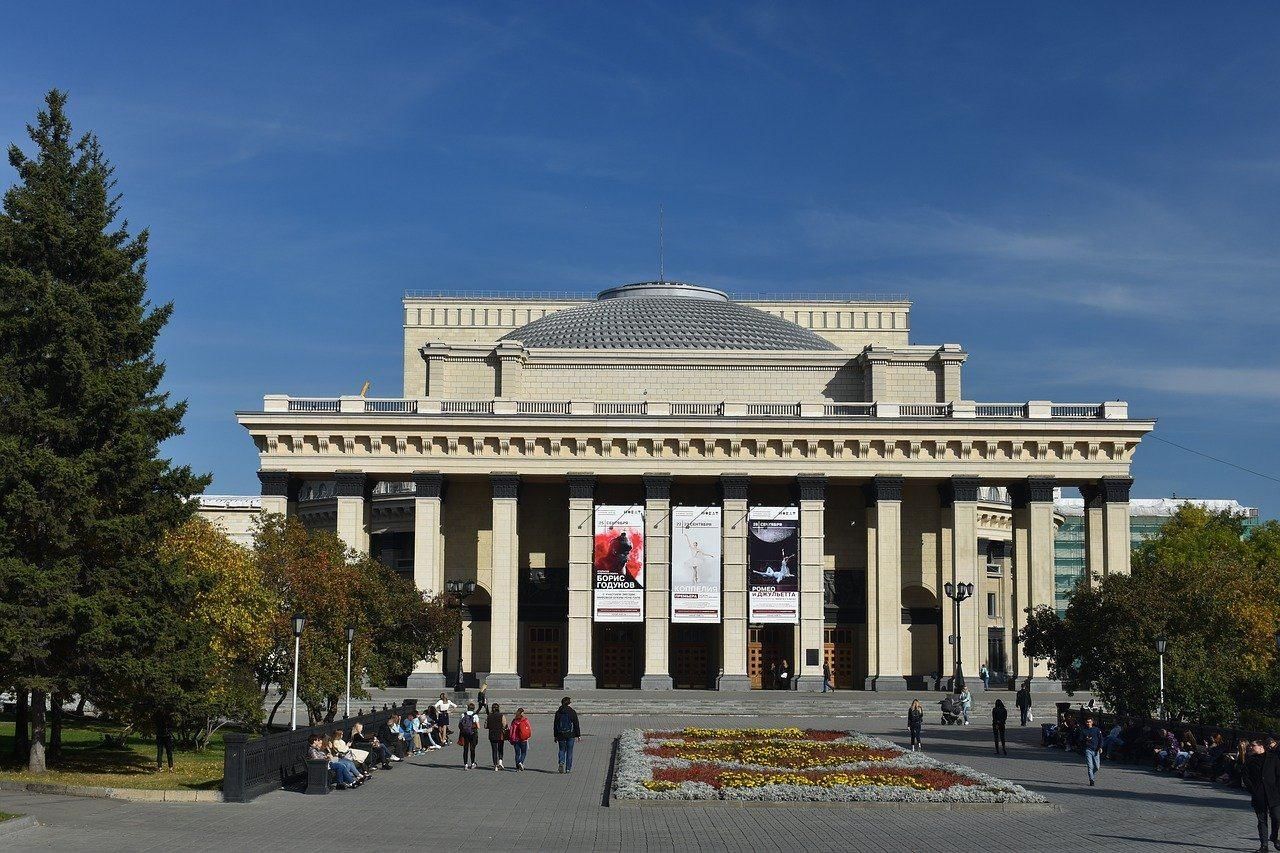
(17, 824)
(134, 795)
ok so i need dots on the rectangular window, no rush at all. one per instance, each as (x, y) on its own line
(991, 605)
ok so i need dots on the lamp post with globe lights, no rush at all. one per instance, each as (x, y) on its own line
(957, 592)
(299, 622)
(460, 590)
(1161, 645)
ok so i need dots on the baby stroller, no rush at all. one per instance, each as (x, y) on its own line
(952, 710)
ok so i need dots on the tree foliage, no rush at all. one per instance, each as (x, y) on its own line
(85, 497)
(1210, 590)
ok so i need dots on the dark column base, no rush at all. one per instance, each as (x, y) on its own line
(656, 682)
(734, 683)
(809, 684)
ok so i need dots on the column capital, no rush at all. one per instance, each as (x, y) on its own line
(351, 484)
(884, 487)
(657, 487)
(734, 487)
(1031, 490)
(504, 484)
(428, 484)
(582, 486)
(1092, 494)
(959, 489)
(812, 487)
(274, 483)
(1115, 490)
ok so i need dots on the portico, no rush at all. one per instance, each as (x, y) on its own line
(488, 470)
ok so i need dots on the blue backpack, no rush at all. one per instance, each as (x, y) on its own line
(564, 724)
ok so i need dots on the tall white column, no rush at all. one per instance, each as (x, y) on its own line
(1094, 535)
(733, 632)
(960, 510)
(884, 583)
(504, 624)
(657, 582)
(582, 488)
(1033, 559)
(428, 561)
(351, 491)
(813, 504)
(1115, 521)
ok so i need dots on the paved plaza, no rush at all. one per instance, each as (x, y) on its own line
(430, 802)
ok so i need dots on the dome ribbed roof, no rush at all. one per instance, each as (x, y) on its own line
(665, 315)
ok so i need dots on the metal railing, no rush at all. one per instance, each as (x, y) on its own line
(296, 405)
(697, 408)
(924, 410)
(391, 406)
(1000, 410)
(253, 766)
(619, 408)
(849, 410)
(467, 407)
(1076, 410)
(774, 410)
(539, 407)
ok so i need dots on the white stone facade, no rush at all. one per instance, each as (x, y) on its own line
(490, 464)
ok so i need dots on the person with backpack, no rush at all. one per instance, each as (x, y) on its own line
(469, 736)
(566, 728)
(519, 733)
(497, 723)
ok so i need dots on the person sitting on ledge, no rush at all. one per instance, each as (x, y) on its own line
(340, 753)
(317, 751)
(389, 736)
(378, 751)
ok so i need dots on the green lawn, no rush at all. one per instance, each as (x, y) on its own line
(87, 760)
(6, 816)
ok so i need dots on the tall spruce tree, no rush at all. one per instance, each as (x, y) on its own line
(86, 602)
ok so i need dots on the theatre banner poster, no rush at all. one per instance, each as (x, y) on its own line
(618, 563)
(695, 564)
(772, 559)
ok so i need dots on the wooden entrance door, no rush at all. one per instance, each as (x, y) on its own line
(618, 656)
(691, 656)
(767, 647)
(837, 651)
(545, 652)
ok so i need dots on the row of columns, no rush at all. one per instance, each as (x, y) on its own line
(1107, 547)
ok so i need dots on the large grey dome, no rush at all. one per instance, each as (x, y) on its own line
(665, 315)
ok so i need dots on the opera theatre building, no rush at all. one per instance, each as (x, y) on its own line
(666, 487)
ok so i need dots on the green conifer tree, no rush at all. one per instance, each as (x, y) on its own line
(85, 497)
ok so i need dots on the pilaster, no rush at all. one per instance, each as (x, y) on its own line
(1094, 535)
(657, 582)
(504, 626)
(733, 634)
(960, 513)
(1115, 521)
(428, 563)
(1033, 558)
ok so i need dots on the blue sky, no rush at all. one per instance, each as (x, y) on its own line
(1086, 196)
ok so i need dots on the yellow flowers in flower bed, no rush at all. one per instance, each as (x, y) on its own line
(747, 779)
(789, 733)
(660, 785)
(791, 754)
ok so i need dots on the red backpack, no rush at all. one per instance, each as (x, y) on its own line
(521, 730)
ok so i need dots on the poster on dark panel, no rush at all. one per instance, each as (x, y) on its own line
(617, 560)
(773, 547)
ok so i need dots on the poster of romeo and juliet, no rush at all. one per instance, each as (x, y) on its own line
(618, 563)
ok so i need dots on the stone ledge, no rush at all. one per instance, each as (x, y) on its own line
(137, 795)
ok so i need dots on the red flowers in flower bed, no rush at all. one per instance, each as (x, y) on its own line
(919, 778)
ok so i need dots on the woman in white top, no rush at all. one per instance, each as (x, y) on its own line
(442, 719)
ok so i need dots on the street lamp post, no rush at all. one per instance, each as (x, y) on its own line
(351, 638)
(460, 590)
(1161, 645)
(957, 592)
(299, 622)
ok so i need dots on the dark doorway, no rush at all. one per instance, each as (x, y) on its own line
(620, 652)
(694, 655)
(768, 647)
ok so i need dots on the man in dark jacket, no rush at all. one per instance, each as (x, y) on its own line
(566, 729)
(1023, 701)
(1262, 779)
(1091, 740)
(389, 735)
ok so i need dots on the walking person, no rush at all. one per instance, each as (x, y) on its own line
(1023, 701)
(497, 723)
(826, 678)
(966, 704)
(999, 716)
(985, 675)
(469, 736)
(482, 701)
(1091, 739)
(915, 719)
(442, 716)
(164, 740)
(784, 676)
(1261, 779)
(567, 730)
(519, 733)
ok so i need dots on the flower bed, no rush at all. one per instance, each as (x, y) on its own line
(794, 764)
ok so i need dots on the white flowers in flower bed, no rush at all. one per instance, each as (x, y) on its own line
(633, 768)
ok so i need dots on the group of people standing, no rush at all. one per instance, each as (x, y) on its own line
(964, 699)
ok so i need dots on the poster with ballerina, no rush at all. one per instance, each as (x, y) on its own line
(695, 564)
